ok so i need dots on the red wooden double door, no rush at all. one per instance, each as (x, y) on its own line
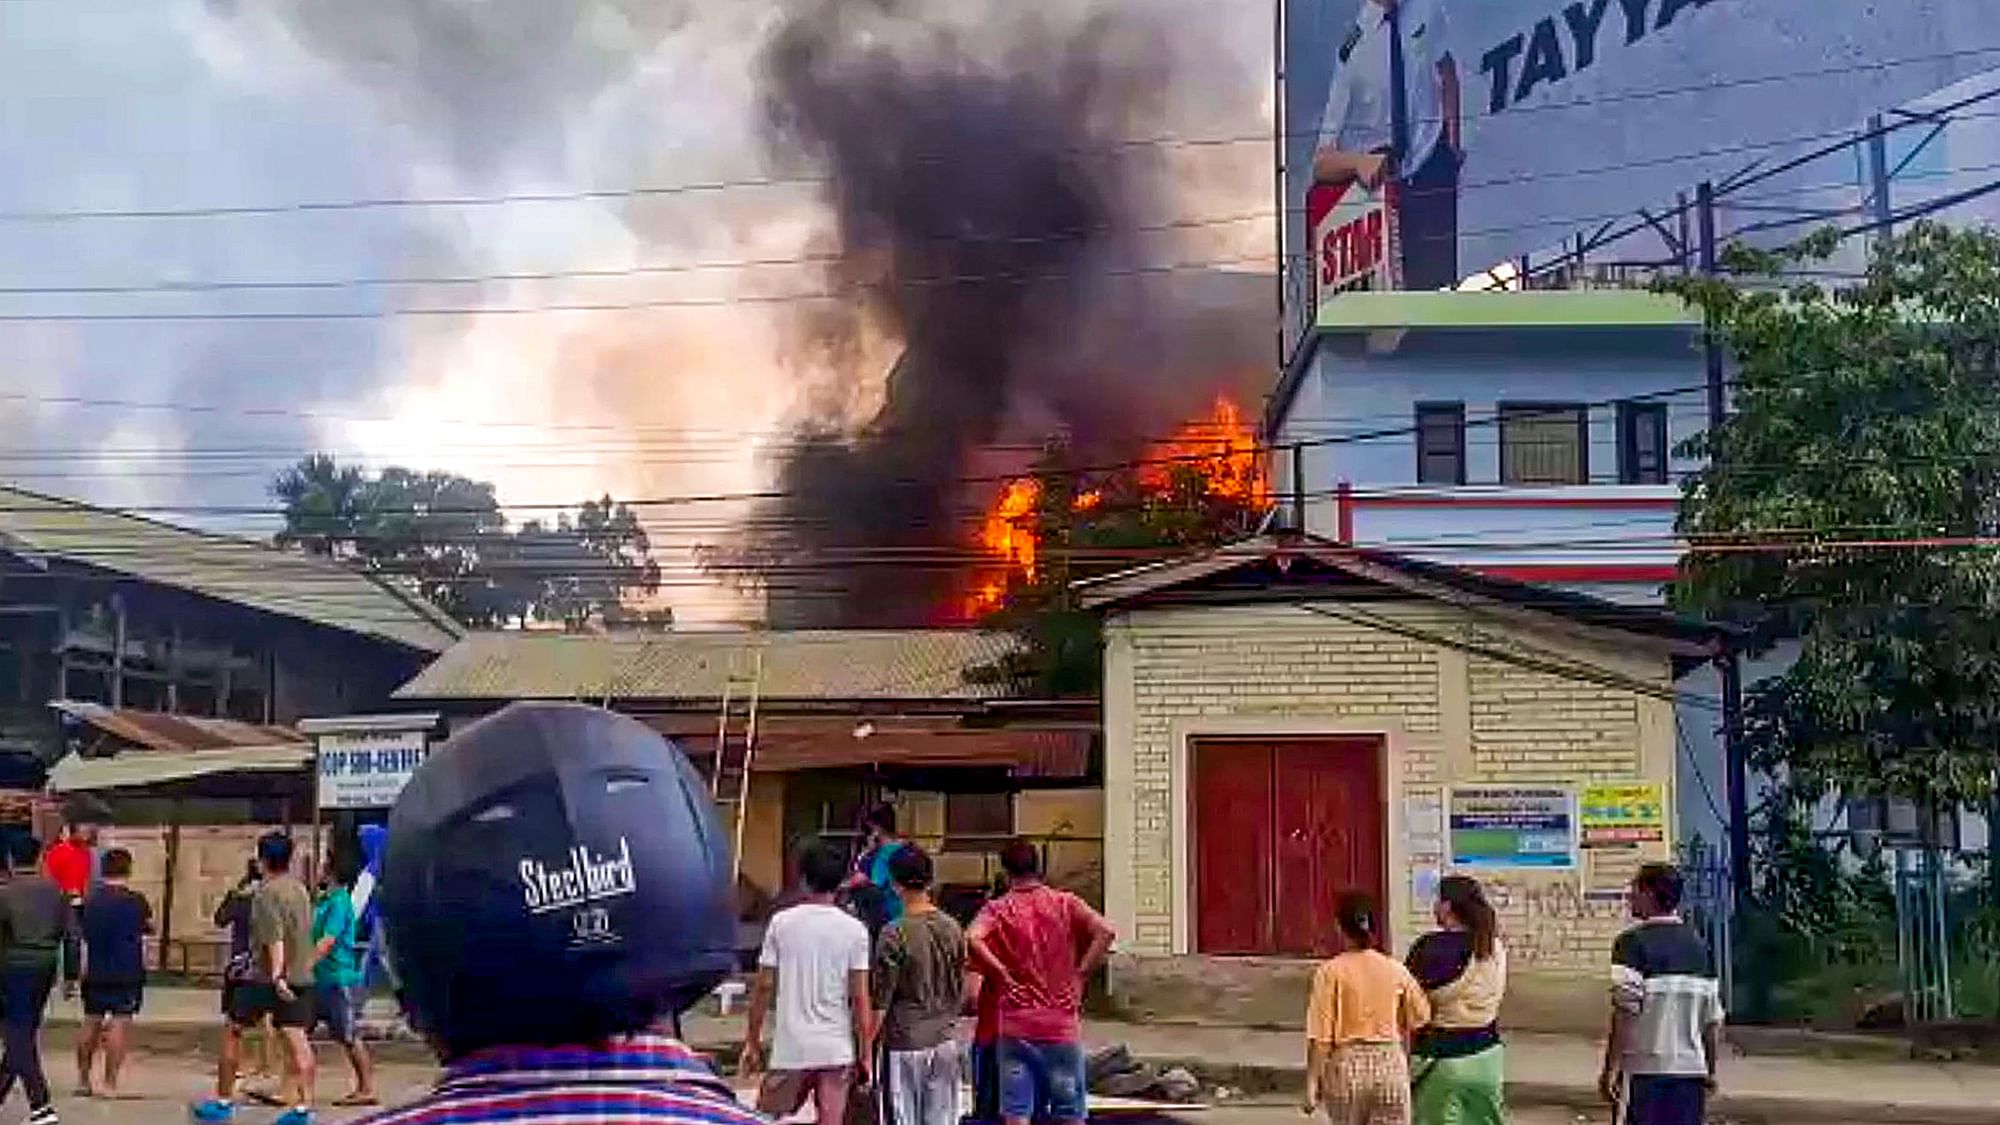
(1281, 829)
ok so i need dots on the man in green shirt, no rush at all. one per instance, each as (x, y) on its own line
(337, 980)
(281, 969)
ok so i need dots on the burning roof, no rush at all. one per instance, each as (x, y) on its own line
(991, 215)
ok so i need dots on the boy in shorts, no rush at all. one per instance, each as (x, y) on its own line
(281, 968)
(116, 920)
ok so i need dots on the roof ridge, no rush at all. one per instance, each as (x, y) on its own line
(245, 554)
(195, 532)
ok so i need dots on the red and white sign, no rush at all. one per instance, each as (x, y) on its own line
(1354, 238)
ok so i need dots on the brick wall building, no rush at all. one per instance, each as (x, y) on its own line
(1286, 720)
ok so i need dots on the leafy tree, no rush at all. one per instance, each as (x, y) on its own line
(323, 506)
(584, 566)
(1847, 503)
(446, 535)
(1089, 524)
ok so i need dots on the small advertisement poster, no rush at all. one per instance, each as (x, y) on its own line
(1622, 825)
(367, 769)
(1513, 826)
(1356, 243)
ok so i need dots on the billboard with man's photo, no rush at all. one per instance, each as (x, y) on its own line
(1426, 141)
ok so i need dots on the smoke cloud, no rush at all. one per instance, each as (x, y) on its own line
(994, 215)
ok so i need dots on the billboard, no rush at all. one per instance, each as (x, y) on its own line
(1506, 126)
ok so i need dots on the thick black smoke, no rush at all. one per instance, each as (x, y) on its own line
(986, 194)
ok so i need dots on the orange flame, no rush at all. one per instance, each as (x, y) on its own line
(1219, 453)
(1009, 536)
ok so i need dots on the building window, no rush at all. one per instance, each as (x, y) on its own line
(1642, 442)
(1440, 443)
(1544, 443)
(977, 822)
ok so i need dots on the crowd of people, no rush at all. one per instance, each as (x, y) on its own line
(296, 964)
(563, 1003)
(70, 916)
(1392, 1043)
(869, 1021)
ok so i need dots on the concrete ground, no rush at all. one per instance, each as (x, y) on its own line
(164, 1085)
(178, 1030)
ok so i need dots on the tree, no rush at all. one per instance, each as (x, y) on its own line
(1089, 524)
(446, 535)
(584, 566)
(1849, 503)
(323, 502)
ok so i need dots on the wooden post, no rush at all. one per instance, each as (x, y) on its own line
(173, 877)
(174, 668)
(119, 639)
(271, 687)
(62, 650)
(312, 779)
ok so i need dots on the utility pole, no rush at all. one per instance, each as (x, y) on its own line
(1718, 399)
(1726, 661)
(1878, 178)
(1280, 139)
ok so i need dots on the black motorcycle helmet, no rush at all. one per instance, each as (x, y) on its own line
(555, 874)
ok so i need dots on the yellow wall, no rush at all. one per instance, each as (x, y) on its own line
(1447, 718)
(1069, 821)
(764, 834)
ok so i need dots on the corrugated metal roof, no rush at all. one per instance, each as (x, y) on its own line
(247, 573)
(75, 774)
(160, 731)
(806, 665)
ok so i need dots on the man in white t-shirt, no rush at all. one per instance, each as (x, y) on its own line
(815, 959)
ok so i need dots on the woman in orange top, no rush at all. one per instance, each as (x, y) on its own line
(1363, 1008)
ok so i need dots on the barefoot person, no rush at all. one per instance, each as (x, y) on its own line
(116, 920)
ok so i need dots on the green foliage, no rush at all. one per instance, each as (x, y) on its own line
(1091, 524)
(1844, 504)
(446, 535)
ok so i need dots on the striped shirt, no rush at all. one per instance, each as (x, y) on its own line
(640, 1080)
(1663, 979)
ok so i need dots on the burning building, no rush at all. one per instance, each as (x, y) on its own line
(992, 214)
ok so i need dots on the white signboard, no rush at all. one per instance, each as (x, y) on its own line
(367, 769)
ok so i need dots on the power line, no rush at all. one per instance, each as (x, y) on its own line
(1191, 223)
(1253, 447)
(803, 297)
(766, 182)
(827, 293)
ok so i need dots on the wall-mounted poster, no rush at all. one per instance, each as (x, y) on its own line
(1499, 826)
(1622, 825)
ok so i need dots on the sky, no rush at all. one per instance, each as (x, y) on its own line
(191, 381)
(179, 179)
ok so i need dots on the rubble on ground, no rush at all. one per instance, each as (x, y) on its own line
(1112, 1072)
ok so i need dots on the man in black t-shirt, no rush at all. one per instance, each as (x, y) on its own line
(116, 920)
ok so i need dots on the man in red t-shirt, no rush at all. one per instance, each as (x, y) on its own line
(69, 860)
(1037, 944)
